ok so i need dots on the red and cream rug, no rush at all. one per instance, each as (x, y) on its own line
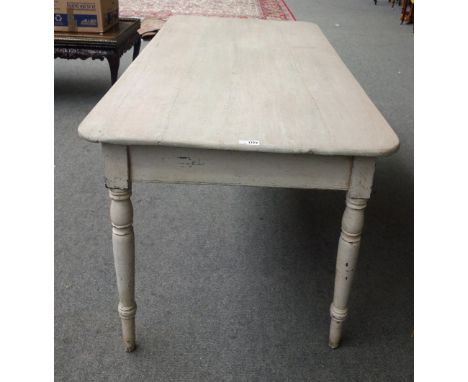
(162, 9)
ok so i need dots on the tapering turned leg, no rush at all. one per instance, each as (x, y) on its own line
(123, 243)
(348, 250)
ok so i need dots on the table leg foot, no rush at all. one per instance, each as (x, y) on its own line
(336, 326)
(128, 330)
(348, 250)
(123, 244)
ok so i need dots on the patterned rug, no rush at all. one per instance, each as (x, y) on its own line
(162, 9)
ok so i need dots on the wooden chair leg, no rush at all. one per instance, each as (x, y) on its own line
(404, 4)
(411, 14)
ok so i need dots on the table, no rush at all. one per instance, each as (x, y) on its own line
(238, 102)
(110, 45)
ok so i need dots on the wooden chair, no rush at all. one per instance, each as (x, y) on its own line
(404, 17)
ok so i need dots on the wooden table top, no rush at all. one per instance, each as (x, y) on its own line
(241, 84)
(118, 33)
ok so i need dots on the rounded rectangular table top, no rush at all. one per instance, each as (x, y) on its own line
(241, 84)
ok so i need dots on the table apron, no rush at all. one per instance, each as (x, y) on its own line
(200, 166)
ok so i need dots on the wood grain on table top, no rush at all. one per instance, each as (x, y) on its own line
(216, 83)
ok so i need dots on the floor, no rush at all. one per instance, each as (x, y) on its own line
(234, 283)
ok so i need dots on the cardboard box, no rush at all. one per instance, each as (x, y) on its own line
(85, 15)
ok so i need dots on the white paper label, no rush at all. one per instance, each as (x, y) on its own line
(250, 142)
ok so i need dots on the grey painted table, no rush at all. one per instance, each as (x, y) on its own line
(240, 102)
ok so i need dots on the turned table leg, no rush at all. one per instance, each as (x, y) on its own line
(123, 243)
(348, 250)
(359, 191)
